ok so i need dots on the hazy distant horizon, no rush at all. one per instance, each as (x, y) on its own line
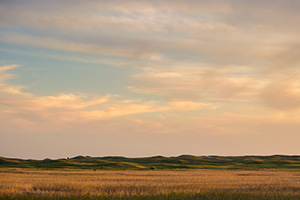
(146, 78)
(95, 156)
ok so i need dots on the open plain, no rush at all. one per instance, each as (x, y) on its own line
(149, 184)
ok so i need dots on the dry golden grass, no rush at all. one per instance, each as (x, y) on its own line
(83, 183)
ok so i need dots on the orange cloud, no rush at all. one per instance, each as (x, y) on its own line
(66, 108)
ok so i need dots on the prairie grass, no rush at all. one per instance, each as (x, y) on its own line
(155, 184)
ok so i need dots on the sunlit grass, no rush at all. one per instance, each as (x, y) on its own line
(188, 184)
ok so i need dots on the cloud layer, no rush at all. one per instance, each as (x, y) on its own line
(202, 69)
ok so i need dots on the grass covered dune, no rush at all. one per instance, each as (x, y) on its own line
(159, 162)
(151, 184)
(182, 177)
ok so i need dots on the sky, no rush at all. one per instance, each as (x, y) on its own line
(144, 78)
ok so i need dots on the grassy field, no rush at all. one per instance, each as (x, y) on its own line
(159, 162)
(149, 184)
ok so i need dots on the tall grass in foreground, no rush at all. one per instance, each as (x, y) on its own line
(190, 184)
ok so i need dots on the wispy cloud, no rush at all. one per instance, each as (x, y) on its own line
(198, 83)
(68, 108)
(216, 32)
(283, 93)
(226, 68)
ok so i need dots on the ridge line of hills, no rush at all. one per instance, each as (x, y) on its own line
(158, 162)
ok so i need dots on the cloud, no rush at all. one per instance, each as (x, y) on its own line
(190, 105)
(190, 53)
(30, 112)
(198, 83)
(94, 49)
(3, 72)
(65, 109)
(282, 94)
(72, 107)
(104, 17)
(219, 32)
(111, 124)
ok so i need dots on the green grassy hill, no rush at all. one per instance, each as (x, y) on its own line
(159, 162)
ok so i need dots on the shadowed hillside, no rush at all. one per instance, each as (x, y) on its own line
(159, 162)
